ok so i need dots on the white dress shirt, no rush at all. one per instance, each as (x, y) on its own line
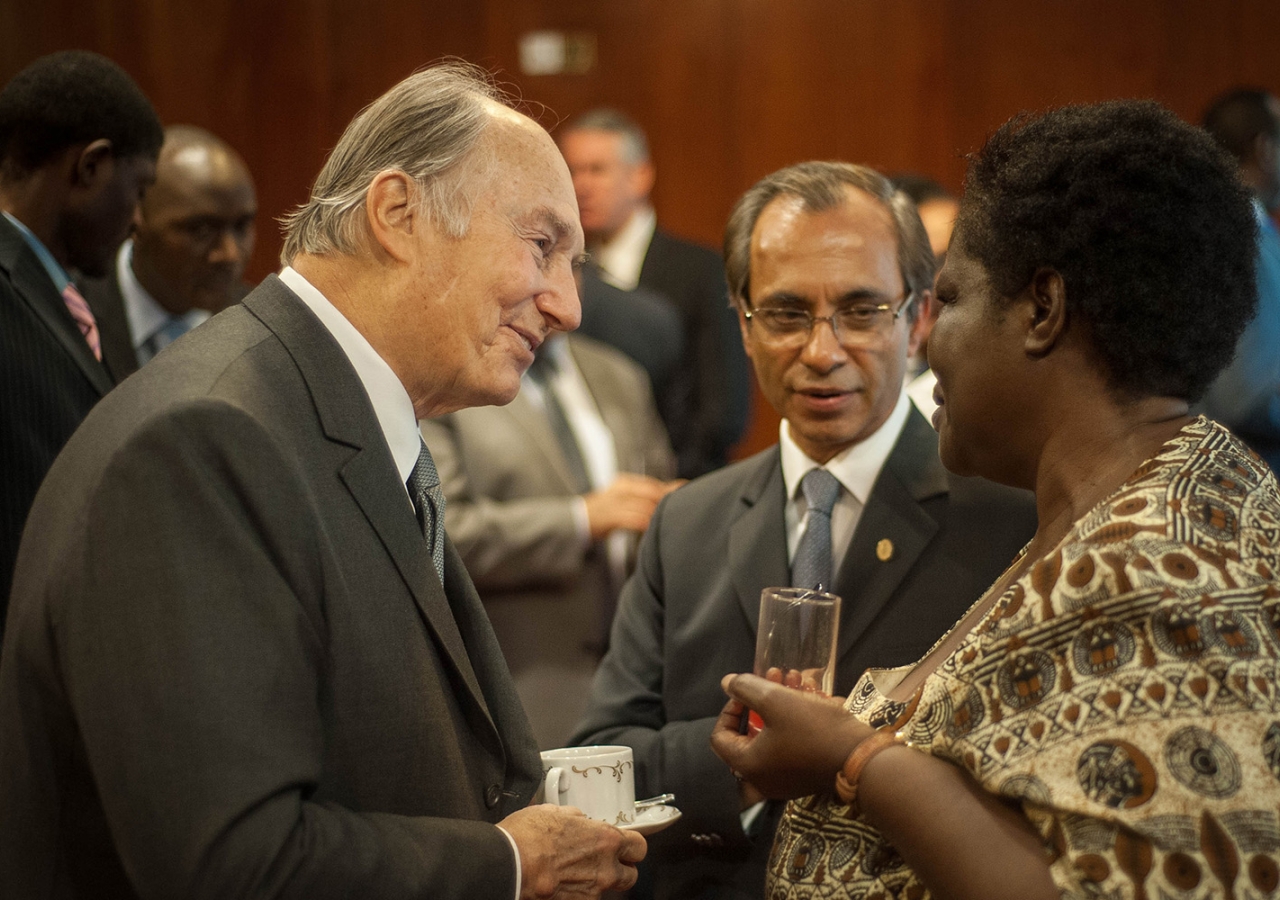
(856, 468)
(593, 437)
(622, 257)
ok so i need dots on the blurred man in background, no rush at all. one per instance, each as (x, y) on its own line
(546, 497)
(193, 236)
(608, 156)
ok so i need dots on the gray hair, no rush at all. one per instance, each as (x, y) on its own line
(821, 186)
(635, 146)
(429, 127)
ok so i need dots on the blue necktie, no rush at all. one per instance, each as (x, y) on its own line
(812, 564)
(173, 328)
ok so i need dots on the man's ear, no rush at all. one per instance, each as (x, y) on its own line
(926, 315)
(93, 164)
(391, 213)
(643, 176)
(1046, 299)
(744, 327)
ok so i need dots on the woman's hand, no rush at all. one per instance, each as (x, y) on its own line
(805, 740)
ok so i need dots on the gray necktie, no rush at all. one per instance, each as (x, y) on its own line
(541, 371)
(424, 485)
(812, 564)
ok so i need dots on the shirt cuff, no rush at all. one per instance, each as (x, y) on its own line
(749, 815)
(515, 851)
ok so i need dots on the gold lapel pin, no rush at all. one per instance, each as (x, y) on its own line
(884, 550)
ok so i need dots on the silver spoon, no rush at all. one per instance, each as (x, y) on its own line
(655, 801)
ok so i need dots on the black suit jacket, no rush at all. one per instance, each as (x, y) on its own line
(232, 670)
(688, 617)
(104, 298)
(642, 324)
(49, 380)
(715, 396)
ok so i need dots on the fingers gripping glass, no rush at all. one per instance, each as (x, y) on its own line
(857, 325)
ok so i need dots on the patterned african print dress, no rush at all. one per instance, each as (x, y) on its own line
(1123, 691)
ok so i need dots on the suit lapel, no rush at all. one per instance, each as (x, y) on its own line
(758, 538)
(654, 257)
(369, 474)
(32, 284)
(534, 423)
(893, 514)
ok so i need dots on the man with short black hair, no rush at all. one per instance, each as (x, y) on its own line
(78, 145)
(1246, 395)
(705, 404)
(192, 238)
(828, 266)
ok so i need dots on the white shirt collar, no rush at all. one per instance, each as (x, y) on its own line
(857, 467)
(144, 315)
(621, 259)
(391, 403)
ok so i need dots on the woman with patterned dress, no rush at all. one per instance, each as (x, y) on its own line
(1105, 721)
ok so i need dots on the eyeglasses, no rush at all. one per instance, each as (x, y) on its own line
(859, 325)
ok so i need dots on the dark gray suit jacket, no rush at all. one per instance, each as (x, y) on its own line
(49, 380)
(642, 324)
(688, 616)
(714, 376)
(232, 670)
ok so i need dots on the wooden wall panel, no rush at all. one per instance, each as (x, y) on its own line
(278, 80)
(728, 89)
(667, 63)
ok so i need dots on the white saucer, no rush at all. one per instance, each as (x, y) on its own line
(653, 819)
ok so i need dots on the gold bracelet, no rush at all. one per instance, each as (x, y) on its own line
(851, 771)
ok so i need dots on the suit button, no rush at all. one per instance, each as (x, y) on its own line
(492, 795)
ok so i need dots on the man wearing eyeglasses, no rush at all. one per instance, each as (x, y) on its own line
(828, 268)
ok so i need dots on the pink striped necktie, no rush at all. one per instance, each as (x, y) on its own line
(84, 318)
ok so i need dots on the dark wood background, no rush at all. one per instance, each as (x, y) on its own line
(728, 90)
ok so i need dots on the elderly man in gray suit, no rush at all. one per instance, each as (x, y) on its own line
(828, 267)
(243, 659)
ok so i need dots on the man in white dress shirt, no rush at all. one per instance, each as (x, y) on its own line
(193, 236)
(705, 409)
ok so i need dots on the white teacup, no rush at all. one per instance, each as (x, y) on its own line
(600, 781)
